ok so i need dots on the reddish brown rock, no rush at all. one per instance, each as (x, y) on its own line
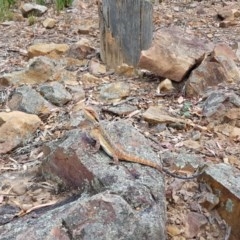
(174, 53)
(226, 57)
(219, 67)
(224, 182)
(228, 17)
(226, 14)
(226, 23)
(65, 168)
(207, 74)
(222, 49)
(194, 222)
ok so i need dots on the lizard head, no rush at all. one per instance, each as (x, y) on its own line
(91, 114)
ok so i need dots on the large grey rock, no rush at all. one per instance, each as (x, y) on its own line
(29, 100)
(55, 93)
(70, 163)
(114, 91)
(102, 216)
(29, 9)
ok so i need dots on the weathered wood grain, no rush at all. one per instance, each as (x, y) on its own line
(126, 28)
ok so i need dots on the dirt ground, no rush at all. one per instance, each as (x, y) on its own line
(198, 17)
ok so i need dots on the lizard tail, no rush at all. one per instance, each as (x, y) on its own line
(135, 159)
(181, 177)
(131, 158)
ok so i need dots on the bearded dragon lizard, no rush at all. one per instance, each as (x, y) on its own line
(102, 138)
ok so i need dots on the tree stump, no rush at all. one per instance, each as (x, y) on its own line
(126, 29)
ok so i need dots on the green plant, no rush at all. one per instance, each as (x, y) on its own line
(5, 13)
(11, 2)
(186, 109)
(31, 20)
(41, 2)
(61, 4)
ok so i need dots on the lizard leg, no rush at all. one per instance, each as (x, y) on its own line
(96, 147)
(115, 159)
(95, 144)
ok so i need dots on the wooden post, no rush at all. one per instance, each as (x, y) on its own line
(126, 28)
